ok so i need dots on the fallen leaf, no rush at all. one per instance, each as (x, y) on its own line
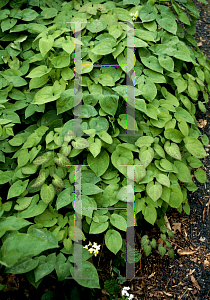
(185, 252)
(201, 123)
(194, 259)
(206, 263)
(176, 226)
(202, 239)
(195, 283)
(168, 294)
(199, 44)
(105, 292)
(151, 275)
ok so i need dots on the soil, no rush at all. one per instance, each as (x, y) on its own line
(187, 276)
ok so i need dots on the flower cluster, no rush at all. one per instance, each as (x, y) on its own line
(125, 293)
(134, 16)
(95, 248)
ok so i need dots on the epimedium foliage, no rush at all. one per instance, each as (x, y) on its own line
(40, 140)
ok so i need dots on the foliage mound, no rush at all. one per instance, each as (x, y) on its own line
(41, 142)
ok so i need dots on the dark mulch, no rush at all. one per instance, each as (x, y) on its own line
(185, 277)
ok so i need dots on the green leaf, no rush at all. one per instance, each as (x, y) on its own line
(62, 161)
(17, 188)
(39, 71)
(125, 119)
(104, 48)
(46, 266)
(144, 141)
(33, 209)
(7, 24)
(29, 14)
(17, 141)
(99, 164)
(5, 176)
(183, 174)
(47, 193)
(49, 13)
(113, 240)
(12, 223)
(66, 101)
(23, 157)
(96, 228)
(99, 123)
(161, 250)
(105, 137)
(61, 61)
(171, 253)
(170, 234)
(176, 198)
(163, 179)
(154, 190)
(109, 103)
(21, 245)
(46, 94)
(118, 222)
(200, 175)
(144, 240)
(150, 214)
(106, 80)
(166, 62)
(186, 208)
(90, 189)
(41, 160)
(147, 88)
(68, 45)
(23, 203)
(194, 147)
(62, 267)
(24, 267)
(172, 149)
(45, 44)
(80, 143)
(64, 198)
(153, 243)
(167, 22)
(147, 13)
(152, 63)
(89, 271)
(58, 181)
(147, 249)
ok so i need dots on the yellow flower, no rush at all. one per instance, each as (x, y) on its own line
(86, 247)
(91, 250)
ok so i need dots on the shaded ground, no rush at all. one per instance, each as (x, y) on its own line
(185, 277)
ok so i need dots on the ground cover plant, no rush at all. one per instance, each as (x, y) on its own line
(41, 143)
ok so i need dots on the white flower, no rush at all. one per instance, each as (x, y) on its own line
(126, 288)
(124, 293)
(130, 296)
(91, 250)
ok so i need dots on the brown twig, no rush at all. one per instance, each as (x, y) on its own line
(204, 210)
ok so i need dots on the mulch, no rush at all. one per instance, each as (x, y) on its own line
(187, 276)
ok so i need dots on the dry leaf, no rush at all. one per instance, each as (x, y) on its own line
(105, 292)
(195, 283)
(151, 275)
(201, 123)
(167, 222)
(202, 239)
(176, 226)
(199, 44)
(194, 259)
(185, 252)
(168, 294)
(206, 263)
